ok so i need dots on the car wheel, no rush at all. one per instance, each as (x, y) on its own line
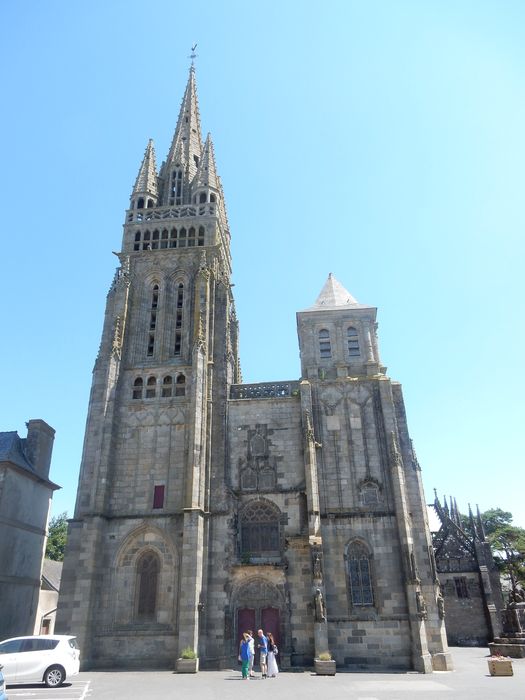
(54, 676)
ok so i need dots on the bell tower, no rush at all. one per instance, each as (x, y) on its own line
(167, 357)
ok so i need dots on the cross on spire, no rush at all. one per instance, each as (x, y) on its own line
(193, 55)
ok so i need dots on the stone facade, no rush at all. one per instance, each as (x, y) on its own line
(25, 499)
(469, 579)
(207, 506)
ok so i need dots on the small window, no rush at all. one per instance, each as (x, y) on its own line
(201, 235)
(158, 496)
(353, 342)
(151, 204)
(202, 197)
(213, 198)
(325, 347)
(180, 385)
(140, 203)
(137, 236)
(151, 388)
(137, 388)
(461, 587)
(151, 344)
(153, 321)
(147, 235)
(167, 384)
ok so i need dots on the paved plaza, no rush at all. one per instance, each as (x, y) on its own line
(470, 680)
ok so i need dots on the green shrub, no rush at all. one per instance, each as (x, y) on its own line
(325, 656)
(188, 653)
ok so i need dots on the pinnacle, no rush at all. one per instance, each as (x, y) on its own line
(146, 181)
(207, 171)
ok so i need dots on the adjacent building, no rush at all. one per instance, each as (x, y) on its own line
(469, 578)
(25, 498)
(206, 506)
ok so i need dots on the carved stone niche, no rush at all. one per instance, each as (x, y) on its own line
(369, 492)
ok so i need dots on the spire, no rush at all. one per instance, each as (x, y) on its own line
(186, 147)
(146, 182)
(207, 172)
(481, 527)
(334, 295)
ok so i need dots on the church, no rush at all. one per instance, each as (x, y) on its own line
(206, 506)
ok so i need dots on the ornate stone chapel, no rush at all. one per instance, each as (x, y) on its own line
(207, 506)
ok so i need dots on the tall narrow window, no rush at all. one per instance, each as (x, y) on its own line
(153, 319)
(353, 342)
(167, 384)
(201, 236)
(180, 385)
(148, 569)
(177, 350)
(151, 388)
(325, 348)
(461, 587)
(176, 187)
(137, 388)
(359, 575)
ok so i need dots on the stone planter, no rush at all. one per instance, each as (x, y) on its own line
(324, 668)
(500, 667)
(187, 665)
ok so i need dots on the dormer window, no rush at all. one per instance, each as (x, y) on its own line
(325, 347)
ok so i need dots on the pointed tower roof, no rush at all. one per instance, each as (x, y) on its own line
(187, 140)
(207, 172)
(146, 181)
(334, 296)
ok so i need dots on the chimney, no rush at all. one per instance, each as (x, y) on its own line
(39, 445)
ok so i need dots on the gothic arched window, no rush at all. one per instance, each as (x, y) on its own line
(325, 347)
(167, 384)
(137, 388)
(148, 569)
(180, 385)
(176, 187)
(353, 342)
(359, 571)
(260, 531)
(151, 387)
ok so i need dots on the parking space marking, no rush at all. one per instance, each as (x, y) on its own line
(76, 690)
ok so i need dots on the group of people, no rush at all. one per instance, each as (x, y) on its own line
(267, 653)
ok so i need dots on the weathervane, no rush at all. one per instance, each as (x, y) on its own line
(193, 55)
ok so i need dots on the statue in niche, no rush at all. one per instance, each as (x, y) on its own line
(421, 606)
(320, 608)
(441, 606)
(318, 568)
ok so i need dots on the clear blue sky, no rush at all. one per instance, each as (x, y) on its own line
(380, 141)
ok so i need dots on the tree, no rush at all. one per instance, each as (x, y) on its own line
(57, 537)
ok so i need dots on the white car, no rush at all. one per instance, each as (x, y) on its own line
(48, 659)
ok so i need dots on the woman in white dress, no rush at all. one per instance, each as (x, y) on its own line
(273, 670)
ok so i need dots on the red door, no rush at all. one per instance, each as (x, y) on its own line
(270, 622)
(245, 622)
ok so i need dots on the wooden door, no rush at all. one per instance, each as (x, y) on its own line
(271, 622)
(245, 622)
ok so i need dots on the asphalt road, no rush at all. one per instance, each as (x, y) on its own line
(471, 679)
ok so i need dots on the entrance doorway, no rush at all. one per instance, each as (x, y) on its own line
(268, 619)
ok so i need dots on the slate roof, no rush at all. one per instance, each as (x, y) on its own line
(52, 572)
(11, 450)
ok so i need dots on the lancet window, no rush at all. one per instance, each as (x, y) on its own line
(138, 385)
(359, 571)
(179, 311)
(167, 387)
(176, 187)
(151, 387)
(180, 385)
(148, 569)
(153, 319)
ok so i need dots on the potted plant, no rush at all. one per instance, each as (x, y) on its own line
(188, 662)
(324, 664)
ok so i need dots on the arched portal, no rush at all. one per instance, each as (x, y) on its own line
(260, 604)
